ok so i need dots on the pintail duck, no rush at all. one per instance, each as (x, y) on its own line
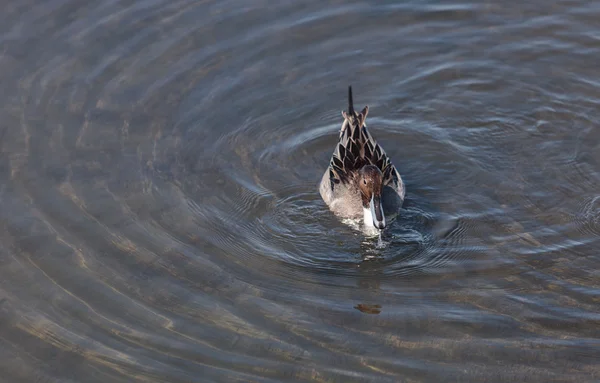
(361, 181)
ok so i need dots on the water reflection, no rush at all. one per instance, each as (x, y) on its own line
(371, 284)
(368, 308)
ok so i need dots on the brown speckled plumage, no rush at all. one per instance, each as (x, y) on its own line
(355, 149)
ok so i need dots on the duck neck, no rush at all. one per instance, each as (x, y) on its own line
(367, 217)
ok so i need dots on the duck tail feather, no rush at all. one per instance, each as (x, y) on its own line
(350, 103)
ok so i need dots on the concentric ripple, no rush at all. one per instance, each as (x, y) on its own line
(159, 208)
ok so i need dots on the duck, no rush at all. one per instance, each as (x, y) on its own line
(361, 181)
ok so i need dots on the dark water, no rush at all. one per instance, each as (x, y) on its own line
(160, 220)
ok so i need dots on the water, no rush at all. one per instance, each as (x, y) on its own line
(160, 219)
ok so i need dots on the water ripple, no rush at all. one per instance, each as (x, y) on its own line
(160, 213)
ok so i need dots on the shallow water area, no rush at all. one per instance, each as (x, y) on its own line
(160, 217)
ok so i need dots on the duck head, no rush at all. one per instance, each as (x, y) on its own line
(370, 183)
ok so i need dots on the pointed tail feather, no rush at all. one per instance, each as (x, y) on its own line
(350, 103)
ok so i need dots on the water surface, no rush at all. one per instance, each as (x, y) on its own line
(160, 219)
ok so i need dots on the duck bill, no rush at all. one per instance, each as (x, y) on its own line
(377, 212)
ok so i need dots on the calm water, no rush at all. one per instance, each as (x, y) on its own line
(160, 219)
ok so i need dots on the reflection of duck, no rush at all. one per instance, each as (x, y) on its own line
(368, 309)
(361, 181)
(371, 286)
